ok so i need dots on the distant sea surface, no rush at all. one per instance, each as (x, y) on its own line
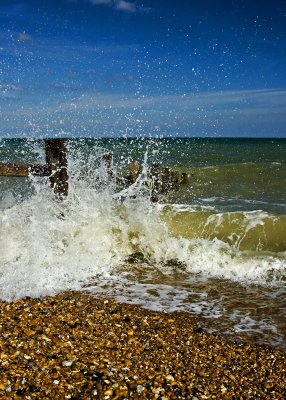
(215, 246)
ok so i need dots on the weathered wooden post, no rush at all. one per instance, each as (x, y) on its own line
(107, 162)
(56, 159)
(10, 169)
(55, 168)
(166, 180)
(185, 178)
(23, 170)
(155, 172)
(163, 179)
(134, 169)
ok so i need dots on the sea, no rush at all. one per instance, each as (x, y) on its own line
(212, 243)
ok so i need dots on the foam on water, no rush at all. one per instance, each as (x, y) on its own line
(47, 246)
(112, 240)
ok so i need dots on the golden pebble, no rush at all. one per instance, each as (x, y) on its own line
(76, 346)
(121, 393)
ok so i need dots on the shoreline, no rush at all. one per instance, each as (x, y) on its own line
(77, 346)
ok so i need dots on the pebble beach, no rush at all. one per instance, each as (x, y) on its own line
(75, 346)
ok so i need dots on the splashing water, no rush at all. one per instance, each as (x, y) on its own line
(106, 237)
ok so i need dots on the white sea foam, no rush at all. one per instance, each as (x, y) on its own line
(48, 246)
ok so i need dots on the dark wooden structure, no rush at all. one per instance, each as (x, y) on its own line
(23, 170)
(134, 169)
(56, 168)
(56, 159)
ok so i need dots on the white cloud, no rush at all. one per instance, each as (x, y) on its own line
(65, 86)
(121, 5)
(8, 87)
(258, 101)
(237, 112)
(24, 37)
(126, 6)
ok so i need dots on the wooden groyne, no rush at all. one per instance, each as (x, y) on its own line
(56, 160)
(23, 170)
(162, 179)
(55, 167)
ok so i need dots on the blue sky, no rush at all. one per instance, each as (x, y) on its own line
(131, 68)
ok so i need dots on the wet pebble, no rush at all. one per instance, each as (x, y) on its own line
(75, 346)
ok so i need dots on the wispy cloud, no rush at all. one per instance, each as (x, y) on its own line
(66, 86)
(257, 101)
(235, 113)
(125, 6)
(8, 87)
(23, 37)
(10, 93)
(121, 5)
(9, 35)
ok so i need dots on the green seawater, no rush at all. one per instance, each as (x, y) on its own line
(229, 174)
